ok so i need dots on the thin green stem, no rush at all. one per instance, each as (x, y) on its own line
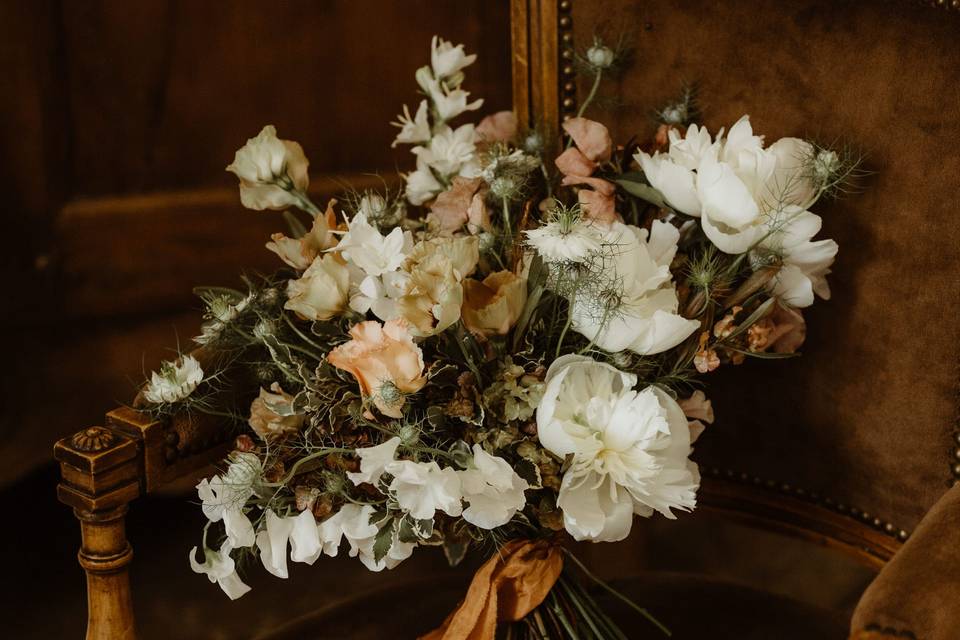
(286, 318)
(592, 94)
(507, 224)
(566, 326)
(619, 596)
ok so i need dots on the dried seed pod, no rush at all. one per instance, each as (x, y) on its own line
(754, 283)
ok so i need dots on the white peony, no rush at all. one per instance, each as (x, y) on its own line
(447, 59)
(322, 291)
(219, 567)
(224, 497)
(806, 262)
(270, 170)
(733, 184)
(492, 490)
(450, 151)
(415, 129)
(174, 382)
(636, 304)
(628, 450)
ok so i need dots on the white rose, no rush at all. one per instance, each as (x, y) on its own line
(321, 292)
(637, 307)
(628, 450)
(269, 170)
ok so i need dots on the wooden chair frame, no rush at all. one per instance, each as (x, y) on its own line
(105, 467)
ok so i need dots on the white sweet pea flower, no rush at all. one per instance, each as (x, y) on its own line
(422, 184)
(174, 382)
(635, 305)
(300, 532)
(379, 295)
(219, 567)
(375, 254)
(423, 488)
(415, 129)
(448, 60)
(224, 497)
(627, 450)
(355, 526)
(270, 170)
(450, 150)
(492, 490)
(806, 263)
(373, 461)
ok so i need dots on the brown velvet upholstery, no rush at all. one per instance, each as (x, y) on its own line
(919, 590)
(867, 415)
(692, 607)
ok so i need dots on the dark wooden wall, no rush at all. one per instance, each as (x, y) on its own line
(116, 123)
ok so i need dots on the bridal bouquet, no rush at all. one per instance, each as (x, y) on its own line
(503, 353)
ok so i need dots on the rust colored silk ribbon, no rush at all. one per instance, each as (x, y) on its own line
(506, 588)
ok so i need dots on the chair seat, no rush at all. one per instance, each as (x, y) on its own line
(691, 606)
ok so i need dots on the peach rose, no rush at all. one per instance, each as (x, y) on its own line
(384, 360)
(272, 414)
(494, 305)
(300, 252)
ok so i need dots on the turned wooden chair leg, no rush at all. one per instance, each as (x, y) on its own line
(100, 468)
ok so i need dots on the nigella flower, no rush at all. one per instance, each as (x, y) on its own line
(628, 451)
(174, 382)
(566, 239)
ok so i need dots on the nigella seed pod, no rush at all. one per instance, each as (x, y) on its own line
(600, 56)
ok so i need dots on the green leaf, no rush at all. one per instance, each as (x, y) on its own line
(383, 540)
(297, 230)
(529, 472)
(405, 532)
(753, 318)
(645, 192)
(456, 543)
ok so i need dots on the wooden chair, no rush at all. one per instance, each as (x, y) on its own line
(854, 446)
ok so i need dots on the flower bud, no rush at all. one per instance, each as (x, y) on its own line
(600, 56)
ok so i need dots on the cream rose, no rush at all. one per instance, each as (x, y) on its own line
(494, 305)
(433, 293)
(270, 170)
(272, 414)
(321, 292)
(385, 361)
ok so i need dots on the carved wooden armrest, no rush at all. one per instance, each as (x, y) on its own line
(103, 469)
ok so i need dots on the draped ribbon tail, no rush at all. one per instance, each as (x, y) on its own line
(506, 588)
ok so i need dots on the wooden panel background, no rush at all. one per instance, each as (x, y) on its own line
(117, 122)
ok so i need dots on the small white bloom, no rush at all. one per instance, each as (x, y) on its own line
(423, 488)
(448, 103)
(270, 169)
(174, 382)
(322, 291)
(219, 567)
(272, 541)
(375, 254)
(448, 60)
(413, 130)
(628, 450)
(224, 497)
(373, 461)
(449, 149)
(492, 489)
(806, 263)
(559, 241)
(422, 185)
(636, 306)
